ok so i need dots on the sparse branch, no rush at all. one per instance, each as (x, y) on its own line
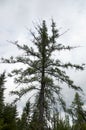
(24, 91)
(59, 75)
(77, 67)
(60, 47)
(26, 80)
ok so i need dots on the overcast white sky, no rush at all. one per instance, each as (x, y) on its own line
(17, 15)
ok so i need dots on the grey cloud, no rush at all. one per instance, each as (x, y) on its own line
(15, 15)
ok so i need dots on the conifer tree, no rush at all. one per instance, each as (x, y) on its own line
(43, 70)
(9, 117)
(25, 118)
(2, 88)
(2, 80)
(59, 123)
(78, 113)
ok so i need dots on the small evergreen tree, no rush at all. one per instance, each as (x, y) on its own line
(59, 123)
(2, 81)
(25, 118)
(10, 117)
(78, 113)
(2, 88)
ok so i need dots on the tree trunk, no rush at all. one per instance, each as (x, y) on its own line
(41, 109)
(41, 96)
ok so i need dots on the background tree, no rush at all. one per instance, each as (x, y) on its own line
(43, 70)
(59, 123)
(78, 113)
(10, 117)
(2, 88)
(25, 118)
(8, 113)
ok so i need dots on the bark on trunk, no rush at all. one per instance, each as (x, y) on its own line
(41, 109)
(41, 96)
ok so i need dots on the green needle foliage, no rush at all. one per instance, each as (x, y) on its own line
(61, 124)
(25, 118)
(9, 117)
(78, 113)
(2, 88)
(2, 81)
(42, 70)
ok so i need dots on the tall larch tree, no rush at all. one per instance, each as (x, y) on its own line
(43, 69)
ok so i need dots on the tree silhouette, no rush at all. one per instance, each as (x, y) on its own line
(43, 70)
